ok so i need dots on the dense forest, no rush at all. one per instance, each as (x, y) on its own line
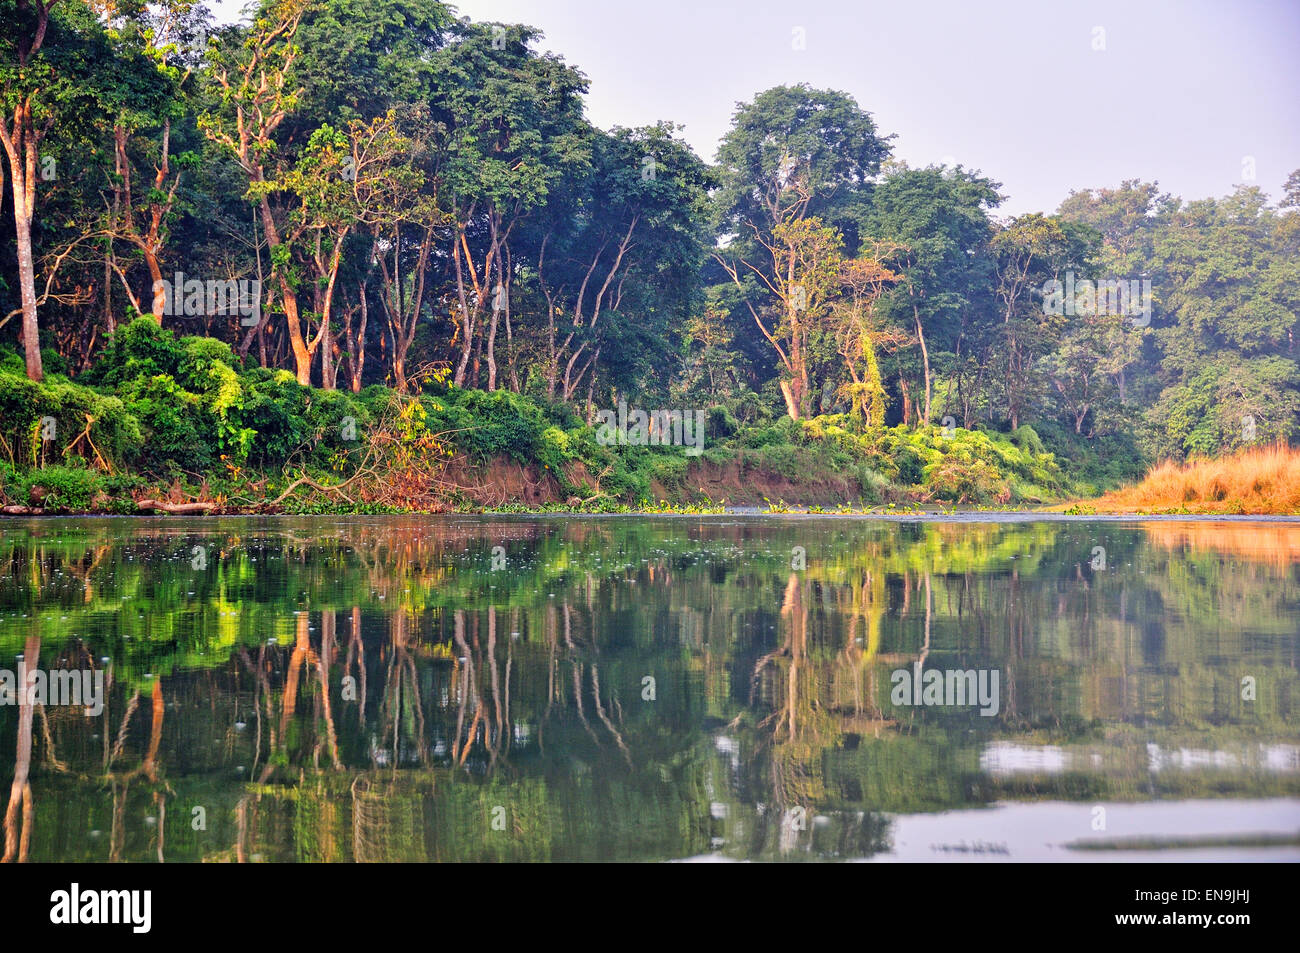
(353, 253)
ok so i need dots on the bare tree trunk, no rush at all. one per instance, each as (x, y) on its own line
(20, 146)
(467, 318)
(355, 341)
(925, 361)
(297, 343)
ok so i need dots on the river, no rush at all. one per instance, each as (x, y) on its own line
(731, 687)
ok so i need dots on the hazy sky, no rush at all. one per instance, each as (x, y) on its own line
(1044, 97)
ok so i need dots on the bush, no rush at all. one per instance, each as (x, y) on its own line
(24, 404)
(967, 482)
(719, 422)
(782, 431)
(172, 421)
(1026, 439)
(495, 422)
(275, 407)
(62, 488)
(873, 486)
(139, 349)
(11, 362)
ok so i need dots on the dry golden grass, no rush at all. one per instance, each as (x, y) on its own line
(1257, 481)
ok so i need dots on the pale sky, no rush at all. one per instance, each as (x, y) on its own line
(1043, 97)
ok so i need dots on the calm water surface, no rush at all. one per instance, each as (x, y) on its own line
(645, 688)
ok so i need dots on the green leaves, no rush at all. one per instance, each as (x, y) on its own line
(796, 151)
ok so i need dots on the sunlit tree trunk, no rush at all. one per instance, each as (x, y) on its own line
(21, 143)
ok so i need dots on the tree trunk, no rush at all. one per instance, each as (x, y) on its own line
(21, 150)
(297, 343)
(301, 355)
(925, 363)
(791, 403)
(27, 286)
(467, 317)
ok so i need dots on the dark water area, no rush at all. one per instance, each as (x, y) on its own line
(734, 687)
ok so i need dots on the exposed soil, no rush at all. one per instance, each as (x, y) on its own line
(503, 480)
(747, 485)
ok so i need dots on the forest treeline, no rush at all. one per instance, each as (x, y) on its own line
(384, 193)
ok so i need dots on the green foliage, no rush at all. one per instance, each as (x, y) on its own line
(720, 422)
(136, 350)
(113, 430)
(171, 419)
(1026, 439)
(61, 487)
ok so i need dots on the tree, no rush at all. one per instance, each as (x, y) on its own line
(256, 92)
(793, 154)
(1030, 251)
(632, 215)
(1125, 217)
(1230, 291)
(142, 135)
(802, 274)
(344, 181)
(859, 334)
(513, 123)
(31, 84)
(940, 222)
(1128, 219)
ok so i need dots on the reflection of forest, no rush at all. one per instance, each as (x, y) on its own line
(468, 688)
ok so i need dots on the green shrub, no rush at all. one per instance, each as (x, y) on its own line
(8, 482)
(781, 459)
(669, 469)
(719, 422)
(173, 423)
(975, 481)
(781, 431)
(873, 487)
(139, 349)
(497, 423)
(1026, 439)
(275, 407)
(114, 431)
(62, 487)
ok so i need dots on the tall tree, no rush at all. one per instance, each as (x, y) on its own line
(792, 154)
(1230, 296)
(802, 274)
(940, 221)
(513, 121)
(1030, 251)
(31, 84)
(633, 214)
(860, 332)
(256, 93)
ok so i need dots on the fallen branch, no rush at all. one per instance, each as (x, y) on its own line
(175, 508)
(308, 481)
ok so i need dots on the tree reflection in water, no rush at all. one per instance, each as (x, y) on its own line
(625, 688)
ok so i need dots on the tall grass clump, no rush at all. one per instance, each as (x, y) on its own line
(1256, 480)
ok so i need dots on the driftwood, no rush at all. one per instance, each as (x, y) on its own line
(17, 510)
(176, 508)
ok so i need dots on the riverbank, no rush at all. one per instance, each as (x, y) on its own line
(162, 424)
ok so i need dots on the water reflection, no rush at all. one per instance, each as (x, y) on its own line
(632, 688)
